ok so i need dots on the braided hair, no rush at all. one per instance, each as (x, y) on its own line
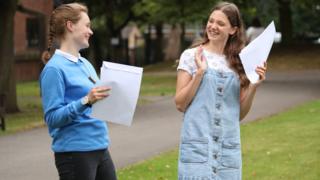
(57, 25)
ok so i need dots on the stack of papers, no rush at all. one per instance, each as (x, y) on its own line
(125, 83)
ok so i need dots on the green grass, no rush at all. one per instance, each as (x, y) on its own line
(161, 167)
(285, 146)
(30, 114)
(161, 67)
(158, 85)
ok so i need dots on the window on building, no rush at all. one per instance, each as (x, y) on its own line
(33, 32)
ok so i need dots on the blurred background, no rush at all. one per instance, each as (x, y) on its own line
(152, 34)
(142, 33)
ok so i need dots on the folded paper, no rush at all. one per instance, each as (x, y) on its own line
(257, 52)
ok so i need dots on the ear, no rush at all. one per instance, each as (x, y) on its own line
(69, 26)
(233, 30)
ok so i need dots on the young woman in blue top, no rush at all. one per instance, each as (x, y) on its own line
(68, 88)
(214, 94)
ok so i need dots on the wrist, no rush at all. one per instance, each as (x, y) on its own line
(252, 87)
(85, 101)
(200, 72)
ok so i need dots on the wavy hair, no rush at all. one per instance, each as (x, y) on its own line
(234, 43)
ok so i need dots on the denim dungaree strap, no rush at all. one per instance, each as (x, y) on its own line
(210, 135)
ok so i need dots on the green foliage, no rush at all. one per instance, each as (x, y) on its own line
(305, 18)
(175, 11)
(304, 14)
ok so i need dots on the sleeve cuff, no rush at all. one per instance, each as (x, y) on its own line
(79, 107)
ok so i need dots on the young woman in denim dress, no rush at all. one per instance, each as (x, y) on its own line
(214, 94)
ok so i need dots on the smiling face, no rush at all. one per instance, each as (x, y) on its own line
(218, 27)
(81, 31)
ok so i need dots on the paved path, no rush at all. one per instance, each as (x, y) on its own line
(156, 127)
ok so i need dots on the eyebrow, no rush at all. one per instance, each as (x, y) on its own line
(211, 18)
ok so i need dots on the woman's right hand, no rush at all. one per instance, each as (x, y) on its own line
(201, 61)
(98, 93)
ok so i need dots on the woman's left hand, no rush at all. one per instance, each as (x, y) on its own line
(261, 70)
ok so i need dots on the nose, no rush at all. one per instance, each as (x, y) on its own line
(214, 25)
(90, 31)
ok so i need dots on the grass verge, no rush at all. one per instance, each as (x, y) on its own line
(284, 146)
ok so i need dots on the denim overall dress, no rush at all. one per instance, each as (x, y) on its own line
(210, 135)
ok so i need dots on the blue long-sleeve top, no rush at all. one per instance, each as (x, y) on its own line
(64, 82)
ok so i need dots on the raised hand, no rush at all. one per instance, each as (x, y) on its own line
(200, 60)
(261, 70)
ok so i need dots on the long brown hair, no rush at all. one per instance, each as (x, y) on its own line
(57, 25)
(234, 43)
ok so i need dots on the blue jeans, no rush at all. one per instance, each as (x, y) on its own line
(92, 165)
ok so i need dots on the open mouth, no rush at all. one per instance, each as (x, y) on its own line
(213, 33)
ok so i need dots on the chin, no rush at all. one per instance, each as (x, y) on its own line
(213, 38)
(85, 45)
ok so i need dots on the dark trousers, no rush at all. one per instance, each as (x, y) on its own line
(92, 165)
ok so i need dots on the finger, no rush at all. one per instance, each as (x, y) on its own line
(104, 89)
(100, 94)
(260, 71)
(99, 97)
(198, 53)
(262, 68)
(261, 74)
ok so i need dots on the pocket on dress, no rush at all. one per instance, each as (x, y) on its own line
(194, 150)
(231, 153)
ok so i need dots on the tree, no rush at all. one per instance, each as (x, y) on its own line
(285, 17)
(181, 12)
(7, 77)
(297, 20)
(108, 19)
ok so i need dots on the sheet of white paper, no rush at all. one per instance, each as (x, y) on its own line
(256, 52)
(125, 83)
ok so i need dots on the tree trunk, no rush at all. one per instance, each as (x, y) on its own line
(7, 78)
(285, 21)
(159, 55)
(182, 25)
(148, 43)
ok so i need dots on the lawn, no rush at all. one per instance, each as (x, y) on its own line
(284, 146)
(158, 80)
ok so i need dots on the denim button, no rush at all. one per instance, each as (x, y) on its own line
(217, 122)
(215, 156)
(220, 89)
(214, 170)
(216, 138)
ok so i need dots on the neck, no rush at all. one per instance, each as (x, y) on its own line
(216, 47)
(70, 48)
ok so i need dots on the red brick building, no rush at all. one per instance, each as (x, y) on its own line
(30, 36)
